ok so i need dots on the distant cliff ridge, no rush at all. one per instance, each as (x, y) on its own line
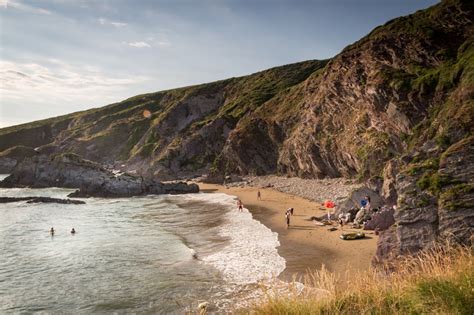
(395, 108)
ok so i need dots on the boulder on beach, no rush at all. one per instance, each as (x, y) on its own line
(356, 196)
(381, 220)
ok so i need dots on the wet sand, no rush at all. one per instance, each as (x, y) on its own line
(304, 245)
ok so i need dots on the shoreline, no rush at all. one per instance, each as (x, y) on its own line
(304, 246)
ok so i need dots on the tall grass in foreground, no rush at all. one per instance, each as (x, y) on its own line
(439, 281)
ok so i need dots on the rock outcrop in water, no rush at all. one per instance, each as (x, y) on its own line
(93, 180)
(396, 107)
(40, 200)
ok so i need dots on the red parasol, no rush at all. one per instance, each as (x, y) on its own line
(329, 204)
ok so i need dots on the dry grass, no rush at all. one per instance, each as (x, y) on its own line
(439, 281)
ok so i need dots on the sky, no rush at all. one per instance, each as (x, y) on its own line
(62, 56)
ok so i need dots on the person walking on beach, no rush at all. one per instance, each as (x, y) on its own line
(259, 195)
(287, 215)
(240, 205)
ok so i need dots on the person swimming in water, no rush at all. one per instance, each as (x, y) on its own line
(51, 231)
(73, 231)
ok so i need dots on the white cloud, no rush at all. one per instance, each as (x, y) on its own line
(118, 24)
(163, 43)
(139, 44)
(57, 81)
(151, 41)
(103, 21)
(23, 7)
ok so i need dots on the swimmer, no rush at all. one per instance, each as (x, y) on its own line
(73, 231)
(51, 231)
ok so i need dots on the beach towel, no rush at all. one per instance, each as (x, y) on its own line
(352, 236)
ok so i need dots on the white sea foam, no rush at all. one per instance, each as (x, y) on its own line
(251, 254)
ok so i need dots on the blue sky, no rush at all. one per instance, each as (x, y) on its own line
(61, 56)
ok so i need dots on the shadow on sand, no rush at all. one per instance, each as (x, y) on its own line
(301, 227)
(208, 190)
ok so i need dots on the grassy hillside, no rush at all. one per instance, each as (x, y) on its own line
(440, 281)
(120, 132)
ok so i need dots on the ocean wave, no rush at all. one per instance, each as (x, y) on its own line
(251, 254)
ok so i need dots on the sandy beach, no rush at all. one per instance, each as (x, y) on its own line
(304, 245)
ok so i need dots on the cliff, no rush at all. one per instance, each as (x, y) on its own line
(395, 108)
(184, 134)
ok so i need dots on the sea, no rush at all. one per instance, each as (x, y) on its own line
(161, 254)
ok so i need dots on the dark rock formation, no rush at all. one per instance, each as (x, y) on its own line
(381, 220)
(10, 157)
(55, 200)
(436, 201)
(14, 199)
(40, 199)
(386, 247)
(70, 171)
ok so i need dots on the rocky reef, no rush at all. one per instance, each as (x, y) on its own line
(40, 200)
(92, 179)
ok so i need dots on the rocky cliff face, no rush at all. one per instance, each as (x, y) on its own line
(398, 100)
(435, 203)
(93, 180)
(184, 134)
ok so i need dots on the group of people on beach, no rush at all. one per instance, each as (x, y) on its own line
(357, 215)
(240, 205)
(52, 231)
(288, 213)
